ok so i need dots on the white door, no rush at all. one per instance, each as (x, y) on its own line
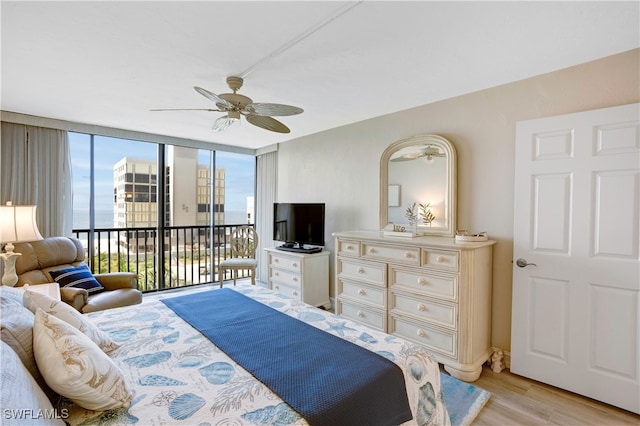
(576, 306)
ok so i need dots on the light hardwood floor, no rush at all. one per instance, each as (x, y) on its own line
(516, 400)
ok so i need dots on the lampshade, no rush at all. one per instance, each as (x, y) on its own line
(18, 224)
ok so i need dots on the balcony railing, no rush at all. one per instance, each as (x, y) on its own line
(190, 254)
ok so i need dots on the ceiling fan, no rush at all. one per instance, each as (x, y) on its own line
(428, 153)
(235, 105)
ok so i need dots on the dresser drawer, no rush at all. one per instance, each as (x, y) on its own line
(441, 259)
(349, 248)
(294, 292)
(431, 337)
(444, 286)
(370, 317)
(372, 273)
(285, 262)
(443, 314)
(371, 295)
(400, 254)
(285, 277)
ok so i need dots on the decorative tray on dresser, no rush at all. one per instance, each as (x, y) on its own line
(433, 291)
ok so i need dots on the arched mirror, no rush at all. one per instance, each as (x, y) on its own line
(419, 172)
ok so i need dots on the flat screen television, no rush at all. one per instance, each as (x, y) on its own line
(298, 225)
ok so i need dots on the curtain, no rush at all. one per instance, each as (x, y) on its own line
(35, 167)
(266, 195)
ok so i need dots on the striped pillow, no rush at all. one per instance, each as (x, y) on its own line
(78, 277)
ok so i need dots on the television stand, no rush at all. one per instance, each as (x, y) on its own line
(302, 276)
(299, 248)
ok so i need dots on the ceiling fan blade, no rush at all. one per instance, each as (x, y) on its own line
(222, 123)
(185, 109)
(267, 123)
(266, 109)
(410, 156)
(403, 158)
(220, 102)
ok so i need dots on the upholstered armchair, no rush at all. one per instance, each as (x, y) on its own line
(42, 262)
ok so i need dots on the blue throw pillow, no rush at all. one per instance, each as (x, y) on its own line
(78, 277)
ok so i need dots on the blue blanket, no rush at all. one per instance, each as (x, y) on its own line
(326, 379)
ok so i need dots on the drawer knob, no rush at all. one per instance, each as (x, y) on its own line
(372, 250)
(361, 292)
(294, 279)
(276, 274)
(349, 247)
(277, 287)
(276, 260)
(295, 265)
(360, 314)
(361, 270)
(422, 281)
(408, 255)
(441, 259)
(421, 307)
(421, 333)
(295, 293)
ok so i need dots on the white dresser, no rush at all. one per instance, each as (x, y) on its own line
(430, 290)
(300, 275)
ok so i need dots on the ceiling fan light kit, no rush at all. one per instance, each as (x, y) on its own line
(223, 122)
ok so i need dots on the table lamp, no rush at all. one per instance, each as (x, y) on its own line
(17, 224)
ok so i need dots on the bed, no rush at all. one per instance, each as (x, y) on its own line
(178, 376)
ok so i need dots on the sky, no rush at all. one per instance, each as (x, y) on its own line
(239, 170)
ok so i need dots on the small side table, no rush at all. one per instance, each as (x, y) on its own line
(50, 289)
(304, 276)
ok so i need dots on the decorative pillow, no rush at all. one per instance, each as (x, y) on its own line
(12, 293)
(75, 367)
(21, 393)
(61, 310)
(79, 277)
(16, 330)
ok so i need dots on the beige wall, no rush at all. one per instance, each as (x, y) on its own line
(341, 166)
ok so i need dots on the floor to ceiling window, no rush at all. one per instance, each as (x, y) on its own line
(164, 212)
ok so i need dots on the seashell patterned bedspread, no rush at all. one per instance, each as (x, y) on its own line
(179, 377)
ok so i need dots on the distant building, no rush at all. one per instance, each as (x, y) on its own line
(134, 193)
(187, 196)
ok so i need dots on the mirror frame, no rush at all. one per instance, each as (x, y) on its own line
(447, 147)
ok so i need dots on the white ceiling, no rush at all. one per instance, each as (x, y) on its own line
(109, 63)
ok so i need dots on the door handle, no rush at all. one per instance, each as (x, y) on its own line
(522, 263)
